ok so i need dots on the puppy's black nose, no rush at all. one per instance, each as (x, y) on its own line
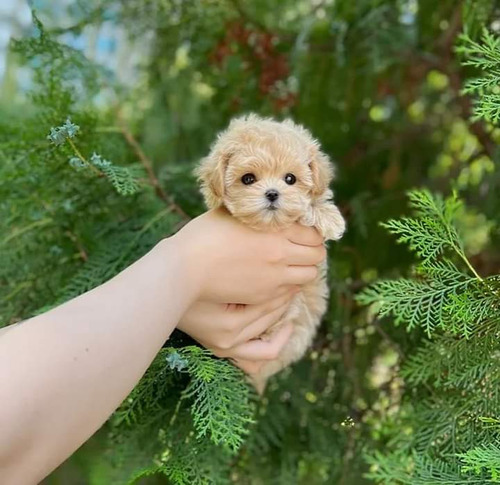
(272, 195)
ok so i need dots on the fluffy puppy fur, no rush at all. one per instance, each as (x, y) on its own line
(270, 174)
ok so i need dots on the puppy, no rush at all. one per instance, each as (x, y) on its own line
(270, 174)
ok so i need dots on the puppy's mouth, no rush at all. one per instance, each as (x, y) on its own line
(272, 207)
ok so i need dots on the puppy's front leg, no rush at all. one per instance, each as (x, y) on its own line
(325, 216)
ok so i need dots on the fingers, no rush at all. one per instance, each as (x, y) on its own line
(281, 289)
(261, 349)
(251, 313)
(304, 236)
(300, 275)
(305, 255)
(262, 324)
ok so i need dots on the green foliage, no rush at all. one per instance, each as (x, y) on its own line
(432, 231)
(456, 372)
(221, 398)
(484, 55)
(483, 458)
(442, 295)
(459, 366)
(198, 430)
(399, 468)
(417, 303)
(121, 178)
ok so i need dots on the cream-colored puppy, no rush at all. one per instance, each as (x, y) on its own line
(270, 174)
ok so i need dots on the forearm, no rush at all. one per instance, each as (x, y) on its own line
(99, 345)
(64, 372)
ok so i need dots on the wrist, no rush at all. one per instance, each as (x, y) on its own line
(184, 271)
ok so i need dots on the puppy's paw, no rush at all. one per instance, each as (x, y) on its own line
(330, 222)
(327, 218)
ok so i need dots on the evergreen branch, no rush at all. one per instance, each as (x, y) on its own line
(24, 230)
(416, 469)
(480, 84)
(115, 255)
(433, 230)
(121, 178)
(148, 165)
(485, 458)
(490, 422)
(474, 307)
(412, 302)
(22, 286)
(85, 162)
(443, 211)
(142, 157)
(424, 236)
(442, 298)
(195, 463)
(221, 404)
(450, 362)
(488, 108)
(94, 15)
(146, 399)
(78, 244)
(485, 56)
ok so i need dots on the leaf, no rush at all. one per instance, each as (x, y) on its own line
(122, 179)
(485, 56)
(483, 458)
(414, 303)
(432, 230)
(221, 405)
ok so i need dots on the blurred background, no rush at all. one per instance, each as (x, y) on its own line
(378, 82)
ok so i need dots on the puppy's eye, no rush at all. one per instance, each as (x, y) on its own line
(290, 178)
(248, 179)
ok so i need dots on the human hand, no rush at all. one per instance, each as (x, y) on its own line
(232, 331)
(229, 329)
(226, 261)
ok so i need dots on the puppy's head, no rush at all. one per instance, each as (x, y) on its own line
(266, 173)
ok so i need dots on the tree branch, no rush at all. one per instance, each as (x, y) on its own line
(148, 165)
(446, 65)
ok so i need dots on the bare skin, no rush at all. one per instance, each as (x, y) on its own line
(64, 372)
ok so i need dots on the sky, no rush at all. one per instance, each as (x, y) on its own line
(107, 43)
(15, 17)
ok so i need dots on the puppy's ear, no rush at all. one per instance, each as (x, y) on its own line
(322, 173)
(211, 173)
